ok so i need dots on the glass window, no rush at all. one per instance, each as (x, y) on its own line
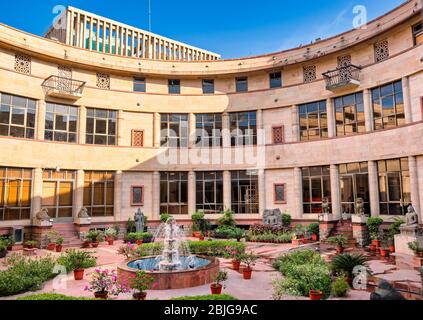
(349, 112)
(280, 193)
(388, 106)
(208, 86)
(394, 186)
(17, 116)
(174, 130)
(418, 33)
(209, 130)
(209, 192)
(99, 193)
(313, 121)
(174, 193)
(242, 84)
(174, 86)
(354, 181)
(101, 127)
(243, 126)
(139, 85)
(137, 196)
(61, 123)
(275, 79)
(316, 187)
(245, 192)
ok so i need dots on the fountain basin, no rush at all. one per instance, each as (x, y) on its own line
(204, 272)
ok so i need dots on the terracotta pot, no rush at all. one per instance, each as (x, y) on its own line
(384, 253)
(314, 237)
(247, 273)
(216, 288)
(78, 274)
(339, 250)
(419, 254)
(372, 248)
(141, 296)
(139, 242)
(101, 295)
(51, 247)
(392, 249)
(59, 248)
(95, 244)
(376, 243)
(202, 238)
(86, 244)
(111, 242)
(316, 295)
(197, 234)
(236, 265)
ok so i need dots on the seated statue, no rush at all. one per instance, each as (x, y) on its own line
(83, 213)
(272, 217)
(385, 291)
(412, 218)
(325, 205)
(42, 215)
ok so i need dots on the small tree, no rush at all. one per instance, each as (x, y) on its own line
(140, 283)
(227, 219)
(286, 220)
(373, 224)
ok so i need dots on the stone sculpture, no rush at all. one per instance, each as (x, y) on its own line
(42, 215)
(360, 207)
(412, 218)
(272, 217)
(139, 221)
(385, 291)
(83, 213)
(325, 205)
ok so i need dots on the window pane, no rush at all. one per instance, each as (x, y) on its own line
(65, 194)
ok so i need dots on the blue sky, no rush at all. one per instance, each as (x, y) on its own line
(233, 28)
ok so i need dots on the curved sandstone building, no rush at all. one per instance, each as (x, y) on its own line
(114, 119)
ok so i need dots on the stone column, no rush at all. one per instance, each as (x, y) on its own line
(37, 191)
(295, 118)
(41, 119)
(120, 132)
(374, 189)
(331, 118)
(368, 110)
(414, 185)
(226, 134)
(335, 192)
(79, 193)
(407, 100)
(191, 193)
(262, 191)
(156, 196)
(227, 190)
(156, 130)
(298, 209)
(261, 136)
(82, 125)
(192, 133)
(118, 196)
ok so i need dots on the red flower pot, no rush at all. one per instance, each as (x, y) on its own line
(78, 274)
(236, 265)
(141, 296)
(101, 295)
(139, 242)
(95, 244)
(111, 242)
(51, 247)
(376, 243)
(59, 248)
(314, 237)
(339, 250)
(197, 234)
(392, 249)
(202, 238)
(372, 248)
(247, 273)
(86, 244)
(384, 253)
(216, 288)
(316, 295)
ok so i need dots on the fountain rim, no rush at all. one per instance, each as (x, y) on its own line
(214, 262)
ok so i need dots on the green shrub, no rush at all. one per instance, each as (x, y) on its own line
(285, 262)
(286, 220)
(314, 228)
(77, 259)
(373, 224)
(215, 297)
(227, 232)
(164, 217)
(339, 240)
(50, 297)
(227, 219)
(345, 263)
(340, 287)
(25, 274)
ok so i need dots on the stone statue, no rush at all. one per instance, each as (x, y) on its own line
(325, 205)
(42, 215)
(139, 221)
(272, 217)
(412, 218)
(360, 207)
(83, 213)
(385, 291)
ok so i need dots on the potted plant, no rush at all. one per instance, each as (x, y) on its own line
(3, 249)
(95, 237)
(117, 230)
(314, 230)
(10, 242)
(384, 249)
(140, 283)
(235, 255)
(373, 224)
(416, 248)
(339, 241)
(249, 259)
(103, 283)
(110, 236)
(216, 287)
(86, 243)
(52, 236)
(77, 261)
(30, 244)
(59, 243)
(238, 234)
(202, 236)
(344, 264)
(164, 217)
(316, 295)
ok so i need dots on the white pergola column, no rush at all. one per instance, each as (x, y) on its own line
(191, 193)
(374, 189)
(335, 191)
(227, 190)
(414, 185)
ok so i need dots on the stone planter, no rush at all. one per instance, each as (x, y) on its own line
(359, 219)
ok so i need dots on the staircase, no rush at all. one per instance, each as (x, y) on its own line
(69, 233)
(345, 228)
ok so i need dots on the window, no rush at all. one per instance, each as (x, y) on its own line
(99, 193)
(208, 86)
(174, 193)
(354, 180)
(174, 86)
(61, 123)
(245, 192)
(209, 129)
(316, 187)
(58, 193)
(174, 130)
(139, 85)
(275, 79)
(388, 106)
(15, 194)
(350, 117)
(242, 84)
(101, 127)
(243, 126)
(278, 135)
(17, 116)
(280, 193)
(209, 192)
(138, 138)
(137, 196)
(313, 121)
(394, 186)
(418, 33)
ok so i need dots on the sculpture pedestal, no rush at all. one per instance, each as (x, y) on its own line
(40, 231)
(327, 223)
(82, 226)
(360, 230)
(408, 234)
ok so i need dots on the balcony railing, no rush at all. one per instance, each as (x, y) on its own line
(60, 87)
(342, 78)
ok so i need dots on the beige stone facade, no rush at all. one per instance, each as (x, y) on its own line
(107, 80)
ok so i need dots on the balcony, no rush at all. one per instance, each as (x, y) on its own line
(65, 88)
(344, 78)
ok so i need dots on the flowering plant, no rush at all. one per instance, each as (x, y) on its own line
(127, 250)
(233, 253)
(105, 281)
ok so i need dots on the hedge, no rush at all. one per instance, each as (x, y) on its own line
(51, 297)
(222, 297)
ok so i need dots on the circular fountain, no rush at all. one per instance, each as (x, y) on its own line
(176, 267)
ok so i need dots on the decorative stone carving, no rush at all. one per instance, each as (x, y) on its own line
(139, 221)
(42, 219)
(83, 217)
(272, 217)
(385, 291)
(344, 61)
(83, 213)
(359, 207)
(22, 63)
(381, 50)
(103, 81)
(412, 218)
(325, 205)
(309, 74)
